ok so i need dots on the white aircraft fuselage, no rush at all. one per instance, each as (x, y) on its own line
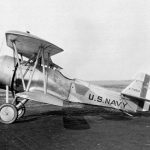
(59, 89)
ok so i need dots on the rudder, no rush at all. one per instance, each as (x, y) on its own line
(139, 88)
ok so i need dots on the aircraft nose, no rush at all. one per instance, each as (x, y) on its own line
(6, 70)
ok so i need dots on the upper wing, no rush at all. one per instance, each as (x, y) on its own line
(28, 44)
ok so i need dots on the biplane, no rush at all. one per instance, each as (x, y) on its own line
(30, 74)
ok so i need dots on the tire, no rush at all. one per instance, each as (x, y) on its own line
(8, 113)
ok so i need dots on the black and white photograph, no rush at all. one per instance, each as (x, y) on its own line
(74, 75)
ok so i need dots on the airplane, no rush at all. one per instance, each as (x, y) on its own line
(30, 74)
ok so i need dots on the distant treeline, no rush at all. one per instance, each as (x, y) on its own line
(116, 85)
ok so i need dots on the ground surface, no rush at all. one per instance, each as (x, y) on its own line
(45, 127)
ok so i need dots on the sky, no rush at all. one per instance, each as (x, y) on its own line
(102, 39)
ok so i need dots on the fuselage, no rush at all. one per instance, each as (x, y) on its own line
(57, 85)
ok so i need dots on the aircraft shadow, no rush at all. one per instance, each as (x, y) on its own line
(74, 118)
(73, 122)
(99, 112)
(38, 115)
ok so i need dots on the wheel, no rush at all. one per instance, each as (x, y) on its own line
(21, 112)
(8, 113)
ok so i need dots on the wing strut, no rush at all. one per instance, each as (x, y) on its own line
(35, 64)
(47, 68)
(44, 75)
(30, 78)
(7, 94)
(19, 65)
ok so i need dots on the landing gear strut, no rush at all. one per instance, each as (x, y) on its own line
(21, 109)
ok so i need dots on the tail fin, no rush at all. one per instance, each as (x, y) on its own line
(139, 88)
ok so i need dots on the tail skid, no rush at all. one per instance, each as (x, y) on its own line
(126, 113)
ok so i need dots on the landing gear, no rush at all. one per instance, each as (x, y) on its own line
(8, 113)
(21, 112)
(21, 109)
